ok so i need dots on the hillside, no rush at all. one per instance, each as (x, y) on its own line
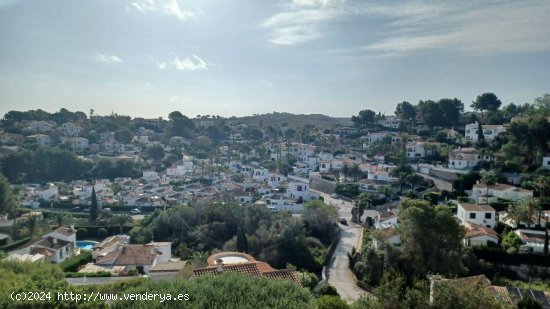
(293, 121)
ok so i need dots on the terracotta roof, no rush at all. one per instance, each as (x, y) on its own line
(476, 207)
(387, 215)
(500, 187)
(246, 268)
(48, 242)
(135, 255)
(285, 274)
(129, 255)
(474, 230)
(43, 251)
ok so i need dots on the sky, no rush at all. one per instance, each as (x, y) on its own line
(242, 57)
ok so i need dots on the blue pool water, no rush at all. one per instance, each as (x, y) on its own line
(85, 244)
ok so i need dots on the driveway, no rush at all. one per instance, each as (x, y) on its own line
(338, 273)
(440, 184)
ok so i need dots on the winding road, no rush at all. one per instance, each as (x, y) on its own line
(338, 273)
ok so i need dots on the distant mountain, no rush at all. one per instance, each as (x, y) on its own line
(293, 121)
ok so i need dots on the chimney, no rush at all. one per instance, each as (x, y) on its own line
(72, 226)
(54, 240)
(219, 265)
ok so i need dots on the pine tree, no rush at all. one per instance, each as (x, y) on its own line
(94, 209)
(242, 241)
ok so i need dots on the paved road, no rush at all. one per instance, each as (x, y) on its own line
(440, 184)
(338, 272)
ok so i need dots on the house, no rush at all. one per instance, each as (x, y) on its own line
(479, 235)
(298, 188)
(277, 203)
(275, 180)
(109, 245)
(417, 150)
(386, 220)
(260, 174)
(41, 139)
(150, 176)
(244, 264)
(137, 257)
(242, 196)
(489, 131)
(483, 193)
(466, 158)
(371, 185)
(533, 241)
(11, 138)
(483, 215)
(387, 235)
(70, 129)
(56, 246)
(40, 126)
(392, 122)
(546, 162)
(76, 143)
(47, 192)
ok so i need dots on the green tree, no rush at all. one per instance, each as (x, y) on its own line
(431, 113)
(431, 239)
(7, 200)
(61, 218)
(32, 223)
(155, 152)
(486, 102)
(242, 241)
(364, 118)
(94, 208)
(406, 111)
(511, 241)
(321, 218)
(456, 294)
(451, 110)
(180, 125)
(331, 302)
(120, 220)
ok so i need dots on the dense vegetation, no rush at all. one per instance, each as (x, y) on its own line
(277, 238)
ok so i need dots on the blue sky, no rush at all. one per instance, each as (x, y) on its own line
(335, 57)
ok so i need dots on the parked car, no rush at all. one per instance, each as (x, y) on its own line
(343, 221)
(135, 211)
(76, 209)
(335, 196)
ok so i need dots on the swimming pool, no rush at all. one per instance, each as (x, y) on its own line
(86, 244)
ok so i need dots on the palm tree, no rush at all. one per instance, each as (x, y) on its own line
(517, 213)
(31, 223)
(120, 220)
(345, 169)
(530, 206)
(355, 171)
(61, 218)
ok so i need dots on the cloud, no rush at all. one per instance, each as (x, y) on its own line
(190, 63)
(166, 7)
(301, 25)
(193, 63)
(498, 28)
(108, 58)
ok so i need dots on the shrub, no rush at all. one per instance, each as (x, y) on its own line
(90, 275)
(15, 244)
(81, 233)
(102, 232)
(331, 302)
(73, 263)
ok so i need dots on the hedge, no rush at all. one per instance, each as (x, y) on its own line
(73, 263)
(69, 206)
(499, 256)
(89, 275)
(93, 230)
(15, 244)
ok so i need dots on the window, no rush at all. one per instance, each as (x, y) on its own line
(488, 215)
(299, 188)
(472, 215)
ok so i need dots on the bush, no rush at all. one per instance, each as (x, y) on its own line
(102, 232)
(331, 302)
(15, 244)
(325, 289)
(81, 233)
(133, 272)
(89, 275)
(73, 263)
